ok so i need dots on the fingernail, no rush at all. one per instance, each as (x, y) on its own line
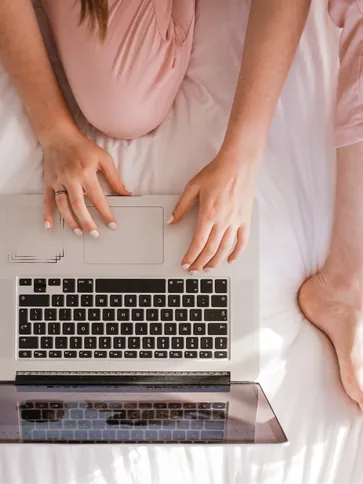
(230, 262)
(207, 269)
(185, 266)
(47, 225)
(170, 219)
(94, 234)
(361, 407)
(193, 273)
(78, 232)
(112, 226)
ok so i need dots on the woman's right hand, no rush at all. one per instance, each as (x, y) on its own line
(71, 163)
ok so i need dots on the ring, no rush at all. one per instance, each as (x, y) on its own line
(60, 192)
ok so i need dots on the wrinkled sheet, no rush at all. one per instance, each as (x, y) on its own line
(295, 192)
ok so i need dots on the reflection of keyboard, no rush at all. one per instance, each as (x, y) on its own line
(123, 318)
(104, 422)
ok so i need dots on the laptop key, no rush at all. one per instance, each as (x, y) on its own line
(220, 354)
(29, 342)
(177, 343)
(23, 315)
(90, 343)
(199, 329)
(131, 300)
(60, 342)
(205, 354)
(148, 343)
(176, 286)
(104, 343)
(130, 354)
(137, 315)
(25, 328)
(133, 343)
(166, 315)
(46, 342)
(221, 286)
(65, 314)
(145, 301)
(84, 285)
(79, 315)
(219, 301)
(115, 354)
(170, 328)
(83, 328)
(176, 354)
(181, 314)
(40, 354)
(203, 301)
(70, 354)
(94, 315)
(215, 315)
(34, 300)
(85, 354)
(58, 300)
(25, 354)
(160, 354)
(131, 286)
(112, 328)
(40, 285)
(160, 301)
(69, 285)
(146, 354)
(152, 315)
(127, 328)
(115, 300)
(162, 343)
(72, 300)
(55, 354)
(188, 301)
(100, 354)
(101, 300)
(192, 343)
(156, 328)
(195, 314)
(39, 328)
(36, 314)
(75, 343)
(87, 300)
(25, 282)
(123, 315)
(221, 343)
(141, 328)
(68, 328)
(185, 328)
(50, 314)
(174, 301)
(119, 343)
(217, 329)
(54, 282)
(206, 343)
(192, 286)
(191, 354)
(108, 315)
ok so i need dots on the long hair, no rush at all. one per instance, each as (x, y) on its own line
(95, 13)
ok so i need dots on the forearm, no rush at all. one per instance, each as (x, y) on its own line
(273, 34)
(24, 56)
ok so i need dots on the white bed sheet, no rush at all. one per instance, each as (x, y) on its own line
(295, 191)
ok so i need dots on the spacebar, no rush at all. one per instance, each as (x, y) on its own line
(153, 286)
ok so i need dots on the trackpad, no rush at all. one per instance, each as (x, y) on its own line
(139, 238)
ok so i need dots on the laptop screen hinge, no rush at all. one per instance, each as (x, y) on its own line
(186, 378)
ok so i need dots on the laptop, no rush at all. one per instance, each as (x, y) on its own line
(110, 340)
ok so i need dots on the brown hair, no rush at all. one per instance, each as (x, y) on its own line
(95, 12)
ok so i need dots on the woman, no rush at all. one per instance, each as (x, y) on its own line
(125, 60)
(333, 299)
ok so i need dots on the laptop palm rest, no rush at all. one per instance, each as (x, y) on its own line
(138, 239)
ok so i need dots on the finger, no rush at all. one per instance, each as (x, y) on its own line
(200, 238)
(112, 176)
(95, 194)
(48, 207)
(224, 249)
(242, 238)
(185, 203)
(65, 210)
(209, 250)
(78, 205)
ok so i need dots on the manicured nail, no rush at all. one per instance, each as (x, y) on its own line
(47, 225)
(78, 232)
(207, 269)
(94, 234)
(361, 407)
(231, 262)
(112, 226)
(193, 273)
(170, 219)
(186, 267)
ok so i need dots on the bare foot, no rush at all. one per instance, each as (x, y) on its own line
(334, 313)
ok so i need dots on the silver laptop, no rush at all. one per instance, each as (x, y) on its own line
(111, 340)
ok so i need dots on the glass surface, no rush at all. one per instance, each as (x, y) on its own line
(113, 414)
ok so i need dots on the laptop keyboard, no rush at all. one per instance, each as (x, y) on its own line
(123, 318)
(162, 422)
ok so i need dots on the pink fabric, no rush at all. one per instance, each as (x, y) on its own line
(126, 86)
(348, 15)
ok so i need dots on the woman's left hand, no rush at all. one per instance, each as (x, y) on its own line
(225, 190)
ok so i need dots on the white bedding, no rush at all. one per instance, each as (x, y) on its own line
(295, 191)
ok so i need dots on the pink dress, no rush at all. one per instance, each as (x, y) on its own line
(126, 86)
(348, 15)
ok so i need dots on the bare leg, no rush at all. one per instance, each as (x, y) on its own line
(333, 299)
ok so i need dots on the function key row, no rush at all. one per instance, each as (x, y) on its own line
(57, 354)
(124, 286)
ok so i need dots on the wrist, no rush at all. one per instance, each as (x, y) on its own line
(61, 129)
